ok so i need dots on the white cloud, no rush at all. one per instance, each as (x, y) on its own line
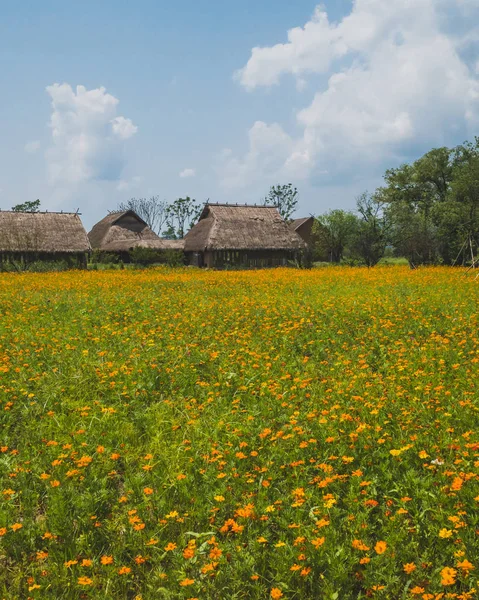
(395, 78)
(187, 173)
(123, 128)
(32, 147)
(125, 185)
(87, 135)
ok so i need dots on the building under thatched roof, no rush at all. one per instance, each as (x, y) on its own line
(304, 228)
(31, 236)
(122, 231)
(242, 235)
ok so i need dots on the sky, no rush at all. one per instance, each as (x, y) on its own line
(106, 100)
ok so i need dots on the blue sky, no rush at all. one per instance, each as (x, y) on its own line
(174, 100)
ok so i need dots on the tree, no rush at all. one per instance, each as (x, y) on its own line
(29, 206)
(152, 210)
(284, 197)
(333, 232)
(372, 229)
(413, 195)
(181, 215)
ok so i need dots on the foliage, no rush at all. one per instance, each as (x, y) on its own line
(101, 257)
(149, 256)
(371, 236)
(285, 198)
(37, 266)
(181, 215)
(29, 206)
(258, 434)
(152, 210)
(333, 232)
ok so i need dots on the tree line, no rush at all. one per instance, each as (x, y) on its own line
(426, 212)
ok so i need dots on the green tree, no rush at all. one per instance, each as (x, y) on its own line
(284, 198)
(29, 206)
(412, 195)
(333, 233)
(181, 215)
(371, 235)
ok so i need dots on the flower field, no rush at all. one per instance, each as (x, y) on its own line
(225, 435)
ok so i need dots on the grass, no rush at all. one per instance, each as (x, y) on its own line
(271, 434)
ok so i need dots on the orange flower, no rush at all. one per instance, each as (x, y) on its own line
(318, 542)
(465, 565)
(170, 547)
(457, 484)
(16, 526)
(409, 568)
(85, 581)
(106, 560)
(147, 491)
(3, 531)
(124, 571)
(86, 562)
(54, 483)
(448, 576)
(70, 563)
(276, 593)
(359, 545)
(151, 542)
(380, 547)
(417, 590)
(215, 552)
(187, 582)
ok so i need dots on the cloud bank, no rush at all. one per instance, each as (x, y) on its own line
(389, 77)
(88, 137)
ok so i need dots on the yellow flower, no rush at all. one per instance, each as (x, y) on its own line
(445, 533)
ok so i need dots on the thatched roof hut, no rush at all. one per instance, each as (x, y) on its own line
(42, 236)
(304, 228)
(122, 231)
(241, 234)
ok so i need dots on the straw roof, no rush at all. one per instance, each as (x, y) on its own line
(298, 223)
(241, 227)
(122, 231)
(47, 232)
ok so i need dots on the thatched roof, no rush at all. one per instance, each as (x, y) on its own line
(42, 232)
(241, 227)
(122, 231)
(298, 223)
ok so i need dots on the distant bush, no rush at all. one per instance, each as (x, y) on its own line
(151, 256)
(101, 257)
(38, 266)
